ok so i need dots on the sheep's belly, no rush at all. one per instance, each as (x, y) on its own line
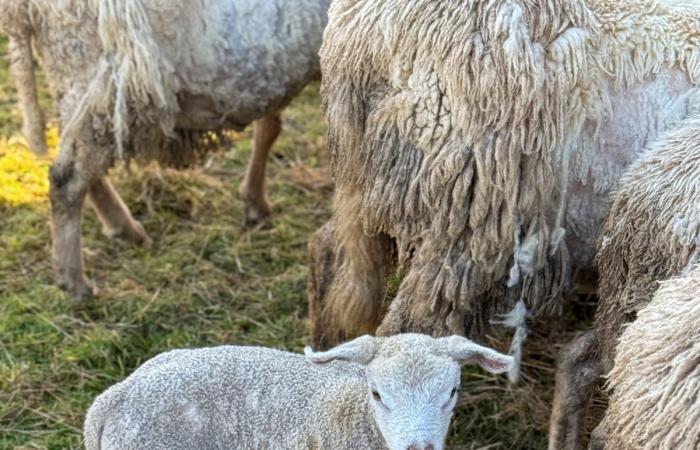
(243, 60)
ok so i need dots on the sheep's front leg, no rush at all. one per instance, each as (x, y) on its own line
(266, 132)
(115, 216)
(348, 278)
(323, 264)
(69, 184)
(578, 373)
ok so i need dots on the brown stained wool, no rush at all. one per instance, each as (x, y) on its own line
(456, 130)
(656, 379)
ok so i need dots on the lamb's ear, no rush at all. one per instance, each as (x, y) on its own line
(361, 350)
(465, 351)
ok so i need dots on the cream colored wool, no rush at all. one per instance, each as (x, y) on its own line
(132, 79)
(655, 404)
(651, 233)
(465, 131)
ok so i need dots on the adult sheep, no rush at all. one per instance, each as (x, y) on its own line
(651, 233)
(154, 79)
(476, 143)
(655, 403)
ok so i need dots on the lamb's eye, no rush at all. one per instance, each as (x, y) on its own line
(376, 396)
(453, 393)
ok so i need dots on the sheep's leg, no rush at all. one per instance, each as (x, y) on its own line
(22, 67)
(266, 132)
(409, 314)
(348, 301)
(578, 374)
(69, 184)
(323, 266)
(115, 216)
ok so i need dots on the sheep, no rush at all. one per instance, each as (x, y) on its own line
(154, 79)
(651, 233)
(655, 403)
(393, 393)
(474, 145)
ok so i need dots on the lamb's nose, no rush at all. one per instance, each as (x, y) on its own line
(418, 447)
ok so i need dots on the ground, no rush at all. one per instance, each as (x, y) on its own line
(206, 281)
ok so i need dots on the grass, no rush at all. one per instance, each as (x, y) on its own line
(207, 281)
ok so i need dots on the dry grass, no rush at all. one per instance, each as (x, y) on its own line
(207, 281)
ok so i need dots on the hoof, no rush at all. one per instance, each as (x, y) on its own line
(135, 234)
(256, 213)
(138, 236)
(82, 289)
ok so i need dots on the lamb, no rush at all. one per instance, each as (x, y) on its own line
(393, 393)
(474, 146)
(651, 233)
(655, 403)
(154, 79)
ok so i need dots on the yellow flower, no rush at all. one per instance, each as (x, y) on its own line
(24, 177)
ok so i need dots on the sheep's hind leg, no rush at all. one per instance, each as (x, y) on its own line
(323, 264)
(578, 373)
(115, 216)
(266, 132)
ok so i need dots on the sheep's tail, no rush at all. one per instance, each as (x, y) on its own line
(22, 69)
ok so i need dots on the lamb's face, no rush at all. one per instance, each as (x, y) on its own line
(413, 395)
(413, 382)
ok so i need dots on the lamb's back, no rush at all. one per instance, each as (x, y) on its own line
(218, 397)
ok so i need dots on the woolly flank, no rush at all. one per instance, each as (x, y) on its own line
(655, 402)
(483, 138)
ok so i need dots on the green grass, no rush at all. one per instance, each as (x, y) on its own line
(207, 281)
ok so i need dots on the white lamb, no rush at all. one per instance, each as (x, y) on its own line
(371, 393)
